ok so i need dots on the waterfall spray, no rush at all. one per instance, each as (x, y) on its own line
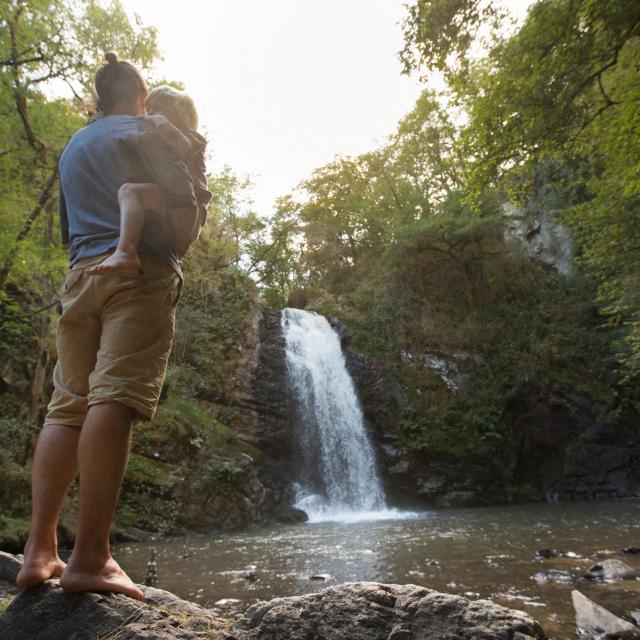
(338, 477)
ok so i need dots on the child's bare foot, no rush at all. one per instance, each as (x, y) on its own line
(38, 566)
(109, 577)
(117, 262)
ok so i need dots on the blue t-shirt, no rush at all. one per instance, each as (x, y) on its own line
(97, 161)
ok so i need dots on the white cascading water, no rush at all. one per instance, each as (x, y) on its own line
(338, 477)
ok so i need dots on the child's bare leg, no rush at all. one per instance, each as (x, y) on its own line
(134, 200)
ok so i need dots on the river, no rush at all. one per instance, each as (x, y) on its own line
(479, 553)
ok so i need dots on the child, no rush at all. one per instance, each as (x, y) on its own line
(175, 117)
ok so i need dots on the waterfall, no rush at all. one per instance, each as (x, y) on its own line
(338, 477)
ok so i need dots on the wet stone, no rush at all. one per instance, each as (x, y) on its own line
(595, 621)
(612, 569)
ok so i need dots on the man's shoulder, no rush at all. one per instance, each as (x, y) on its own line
(109, 132)
(113, 127)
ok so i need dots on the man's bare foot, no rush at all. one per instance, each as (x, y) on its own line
(38, 567)
(117, 262)
(108, 578)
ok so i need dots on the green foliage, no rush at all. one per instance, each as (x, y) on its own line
(408, 242)
(183, 441)
(215, 314)
(439, 34)
(234, 224)
(553, 107)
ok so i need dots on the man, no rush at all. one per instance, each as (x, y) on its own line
(114, 334)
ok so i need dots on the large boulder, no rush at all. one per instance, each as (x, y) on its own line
(46, 612)
(9, 566)
(612, 569)
(373, 611)
(594, 621)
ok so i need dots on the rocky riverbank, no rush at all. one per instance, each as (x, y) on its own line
(358, 610)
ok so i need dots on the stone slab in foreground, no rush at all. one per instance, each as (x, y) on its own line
(373, 611)
(46, 612)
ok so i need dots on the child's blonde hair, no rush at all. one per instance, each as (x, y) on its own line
(175, 105)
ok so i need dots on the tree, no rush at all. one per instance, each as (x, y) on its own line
(552, 108)
(237, 226)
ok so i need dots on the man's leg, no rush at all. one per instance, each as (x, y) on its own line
(54, 467)
(103, 451)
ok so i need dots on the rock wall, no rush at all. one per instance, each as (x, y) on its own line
(558, 449)
(239, 500)
(262, 390)
(265, 418)
(541, 236)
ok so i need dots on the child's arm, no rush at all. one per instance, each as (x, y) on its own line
(180, 144)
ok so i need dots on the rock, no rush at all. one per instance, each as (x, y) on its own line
(357, 610)
(9, 566)
(611, 569)
(47, 613)
(552, 576)
(228, 607)
(287, 514)
(373, 611)
(549, 553)
(265, 395)
(631, 550)
(541, 236)
(399, 467)
(389, 450)
(596, 622)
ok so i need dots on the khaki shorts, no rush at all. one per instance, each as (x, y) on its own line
(114, 339)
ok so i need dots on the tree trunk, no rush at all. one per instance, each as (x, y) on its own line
(43, 201)
(39, 377)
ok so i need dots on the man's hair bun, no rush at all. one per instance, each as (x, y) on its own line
(117, 82)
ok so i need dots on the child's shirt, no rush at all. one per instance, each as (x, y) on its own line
(198, 171)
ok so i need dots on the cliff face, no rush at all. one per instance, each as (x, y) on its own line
(263, 394)
(266, 413)
(557, 449)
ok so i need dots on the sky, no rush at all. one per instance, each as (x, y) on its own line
(284, 86)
